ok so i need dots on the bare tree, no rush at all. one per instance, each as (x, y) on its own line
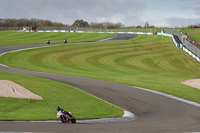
(106, 24)
(10, 22)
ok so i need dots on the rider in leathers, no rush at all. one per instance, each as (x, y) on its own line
(59, 109)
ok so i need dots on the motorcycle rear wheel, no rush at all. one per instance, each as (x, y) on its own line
(73, 120)
(63, 119)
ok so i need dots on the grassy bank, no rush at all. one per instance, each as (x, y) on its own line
(23, 38)
(196, 37)
(186, 30)
(81, 104)
(149, 61)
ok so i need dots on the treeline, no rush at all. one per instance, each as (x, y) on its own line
(11, 22)
(34, 23)
(82, 23)
(108, 25)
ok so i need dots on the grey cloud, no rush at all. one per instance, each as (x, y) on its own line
(182, 22)
(192, 6)
(66, 11)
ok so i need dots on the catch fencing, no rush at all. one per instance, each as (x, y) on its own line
(15, 28)
(11, 28)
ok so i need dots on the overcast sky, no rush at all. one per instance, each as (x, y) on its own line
(159, 13)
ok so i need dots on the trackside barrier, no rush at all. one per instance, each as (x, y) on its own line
(181, 46)
(95, 32)
(54, 31)
(163, 34)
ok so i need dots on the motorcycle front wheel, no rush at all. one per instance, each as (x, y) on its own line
(73, 120)
(63, 119)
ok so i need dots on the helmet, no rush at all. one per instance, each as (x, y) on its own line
(58, 109)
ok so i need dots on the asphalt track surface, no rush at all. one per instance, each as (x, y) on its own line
(155, 113)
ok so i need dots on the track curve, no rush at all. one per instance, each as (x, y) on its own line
(155, 113)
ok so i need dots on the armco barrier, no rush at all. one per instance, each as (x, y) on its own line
(163, 34)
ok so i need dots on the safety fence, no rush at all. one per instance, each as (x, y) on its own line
(11, 28)
(15, 28)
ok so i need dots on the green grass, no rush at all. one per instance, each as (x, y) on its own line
(196, 37)
(81, 104)
(23, 38)
(152, 62)
(186, 30)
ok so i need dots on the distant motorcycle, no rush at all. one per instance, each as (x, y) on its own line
(64, 117)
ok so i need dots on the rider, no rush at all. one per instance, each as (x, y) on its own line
(59, 109)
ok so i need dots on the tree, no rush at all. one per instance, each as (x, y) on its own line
(48, 23)
(57, 24)
(9, 22)
(80, 23)
(106, 24)
(96, 25)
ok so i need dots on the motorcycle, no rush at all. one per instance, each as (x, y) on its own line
(64, 117)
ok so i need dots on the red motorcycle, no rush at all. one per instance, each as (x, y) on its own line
(64, 117)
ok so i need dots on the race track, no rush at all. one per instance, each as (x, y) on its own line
(155, 113)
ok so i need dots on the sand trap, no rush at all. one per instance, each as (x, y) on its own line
(11, 89)
(195, 83)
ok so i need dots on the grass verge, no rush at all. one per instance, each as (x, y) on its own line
(186, 30)
(24, 38)
(81, 104)
(196, 37)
